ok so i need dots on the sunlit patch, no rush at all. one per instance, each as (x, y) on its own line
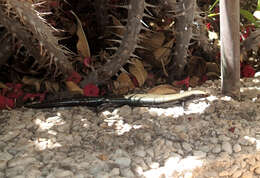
(199, 107)
(253, 140)
(44, 143)
(49, 122)
(175, 111)
(256, 80)
(242, 90)
(226, 98)
(212, 98)
(175, 166)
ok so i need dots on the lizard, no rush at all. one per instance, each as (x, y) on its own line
(131, 100)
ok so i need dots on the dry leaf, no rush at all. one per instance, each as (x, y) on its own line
(163, 90)
(162, 54)
(102, 157)
(52, 86)
(2, 85)
(137, 69)
(118, 26)
(73, 87)
(194, 81)
(32, 82)
(212, 67)
(153, 40)
(82, 44)
(123, 84)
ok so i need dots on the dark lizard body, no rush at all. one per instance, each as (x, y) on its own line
(131, 100)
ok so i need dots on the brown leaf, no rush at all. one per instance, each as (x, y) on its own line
(194, 81)
(118, 26)
(102, 157)
(2, 85)
(32, 82)
(162, 54)
(52, 86)
(137, 69)
(153, 40)
(82, 45)
(123, 84)
(163, 89)
(73, 87)
(212, 67)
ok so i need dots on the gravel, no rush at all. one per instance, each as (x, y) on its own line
(214, 136)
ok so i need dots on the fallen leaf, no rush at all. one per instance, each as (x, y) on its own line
(163, 90)
(153, 40)
(182, 83)
(212, 67)
(162, 54)
(137, 69)
(2, 85)
(75, 77)
(123, 84)
(51, 86)
(102, 157)
(32, 82)
(91, 90)
(73, 87)
(6, 103)
(82, 45)
(14, 90)
(194, 81)
(32, 96)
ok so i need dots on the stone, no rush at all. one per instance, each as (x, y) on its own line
(257, 171)
(21, 161)
(127, 173)
(187, 146)
(227, 147)
(123, 162)
(237, 173)
(237, 148)
(247, 175)
(216, 149)
(199, 154)
(60, 173)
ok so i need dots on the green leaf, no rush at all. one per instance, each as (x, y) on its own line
(258, 5)
(248, 15)
(214, 4)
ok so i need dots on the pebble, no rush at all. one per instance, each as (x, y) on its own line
(216, 149)
(237, 148)
(227, 147)
(187, 146)
(121, 143)
(123, 162)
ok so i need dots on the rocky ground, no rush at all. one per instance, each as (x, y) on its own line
(205, 137)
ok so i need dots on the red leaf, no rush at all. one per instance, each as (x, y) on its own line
(185, 82)
(204, 78)
(14, 90)
(87, 61)
(232, 129)
(74, 77)
(248, 71)
(32, 96)
(91, 90)
(208, 26)
(6, 102)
